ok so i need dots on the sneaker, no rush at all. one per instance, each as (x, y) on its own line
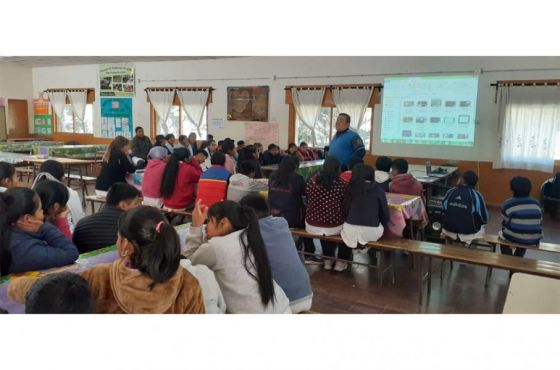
(313, 260)
(327, 265)
(340, 266)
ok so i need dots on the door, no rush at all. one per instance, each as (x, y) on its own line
(18, 119)
(2, 123)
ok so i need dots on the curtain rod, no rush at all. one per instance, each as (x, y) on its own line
(345, 86)
(74, 89)
(194, 88)
(527, 83)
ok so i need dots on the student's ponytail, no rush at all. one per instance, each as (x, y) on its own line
(171, 170)
(254, 249)
(157, 248)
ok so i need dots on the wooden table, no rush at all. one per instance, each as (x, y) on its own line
(68, 163)
(434, 179)
(305, 169)
(530, 294)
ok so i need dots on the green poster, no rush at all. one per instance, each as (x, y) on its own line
(43, 124)
(117, 80)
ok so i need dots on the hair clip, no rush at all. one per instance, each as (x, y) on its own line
(158, 226)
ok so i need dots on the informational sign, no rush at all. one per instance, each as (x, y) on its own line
(117, 79)
(42, 120)
(262, 132)
(116, 117)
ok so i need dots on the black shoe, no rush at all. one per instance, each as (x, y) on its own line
(313, 260)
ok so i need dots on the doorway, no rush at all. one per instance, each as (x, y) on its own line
(18, 119)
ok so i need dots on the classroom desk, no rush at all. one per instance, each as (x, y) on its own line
(306, 169)
(434, 179)
(68, 163)
(404, 209)
(86, 261)
(530, 294)
(71, 151)
(14, 158)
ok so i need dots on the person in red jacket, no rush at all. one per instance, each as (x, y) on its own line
(179, 180)
(403, 182)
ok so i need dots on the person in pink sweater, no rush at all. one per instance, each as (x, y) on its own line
(153, 175)
(54, 198)
(403, 182)
(179, 180)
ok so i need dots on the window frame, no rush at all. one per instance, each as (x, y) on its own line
(90, 101)
(154, 121)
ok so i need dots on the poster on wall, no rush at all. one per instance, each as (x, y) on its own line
(247, 103)
(116, 117)
(262, 132)
(42, 120)
(116, 79)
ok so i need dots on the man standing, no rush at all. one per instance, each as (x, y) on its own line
(141, 144)
(346, 144)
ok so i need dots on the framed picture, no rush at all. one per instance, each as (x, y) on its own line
(247, 103)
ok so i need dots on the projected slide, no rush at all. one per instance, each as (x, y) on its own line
(434, 110)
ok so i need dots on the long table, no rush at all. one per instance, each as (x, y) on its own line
(70, 151)
(306, 169)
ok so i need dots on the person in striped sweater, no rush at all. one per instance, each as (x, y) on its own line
(522, 217)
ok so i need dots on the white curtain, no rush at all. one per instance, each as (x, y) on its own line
(162, 101)
(307, 104)
(78, 99)
(194, 103)
(58, 101)
(353, 102)
(528, 124)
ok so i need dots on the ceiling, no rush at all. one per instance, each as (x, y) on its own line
(47, 61)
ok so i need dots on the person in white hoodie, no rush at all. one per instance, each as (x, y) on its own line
(234, 249)
(53, 170)
(383, 172)
(243, 183)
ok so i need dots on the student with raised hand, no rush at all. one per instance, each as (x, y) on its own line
(27, 243)
(147, 278)
(403, 182)
(54, 170)
(8, 176)
(522, 217)
(153, 174)
(464, 210)
(116, 165)
(59, 293)
(54, 200)
(99, 230)
(244, 183)
(179, 179)
(213, 183)
(287, 269)
(233, 248)
(325, 214)
(365, 205)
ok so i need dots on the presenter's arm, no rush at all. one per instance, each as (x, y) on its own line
(358, 147)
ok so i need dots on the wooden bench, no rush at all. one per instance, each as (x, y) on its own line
(544, 247)
(421, 250)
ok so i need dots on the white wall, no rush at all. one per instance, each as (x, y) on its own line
(16, 83)
(259, 71)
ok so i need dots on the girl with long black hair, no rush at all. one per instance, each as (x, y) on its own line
(8, 178)
(54, 201)
(179, 179)
(27, 243)
(233, 248)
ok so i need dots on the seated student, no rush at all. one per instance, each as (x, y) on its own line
(252, 155)
(210, 149)
(99, 230)
(191, 144)
(214, 302)
(365, 205)
(157, 160)
(286, 190)
(287, 269)
(27, 242)
(403, 182)
(244, 183)
(292, 150)
(161, 141)
(383, 172)
(271, 156)
(116, 165)
(240, 145)
(522, 217)
(201, 156)
(464, 210)
(305, 153)
(213, 184)
(182, 142)
(228, 148)
(179, 180)
(8, 176)
(325, 214)
(170, 142)
(347, 175)
(233, 248)
(147, 278)
(54, 200)
(54, 170)
(63, 293)
(141, 144)
(551, 189)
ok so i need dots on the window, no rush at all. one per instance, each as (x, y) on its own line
(172, 126)
(557, 152)
(326, 128)
(69, 122)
